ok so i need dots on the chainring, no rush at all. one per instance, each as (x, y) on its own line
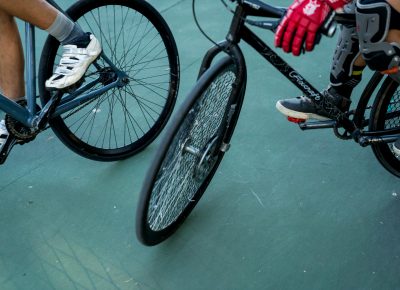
(19, 131)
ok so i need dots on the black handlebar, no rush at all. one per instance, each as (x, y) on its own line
(259, 8)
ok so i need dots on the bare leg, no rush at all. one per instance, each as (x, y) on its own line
(360, 61)
(11, 59)
(393, 36)
(395, 4)
(39, 13)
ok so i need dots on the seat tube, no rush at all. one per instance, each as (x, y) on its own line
(30, 67)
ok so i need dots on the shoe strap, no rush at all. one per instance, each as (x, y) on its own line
(73, 50)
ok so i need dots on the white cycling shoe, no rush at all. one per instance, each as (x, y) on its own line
(73, 64)
(3, 134)
(6, 142)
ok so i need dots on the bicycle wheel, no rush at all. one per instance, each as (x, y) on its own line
(385, 114)
(123, 120)
(190, 153)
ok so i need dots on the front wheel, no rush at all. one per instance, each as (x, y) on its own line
(385, 115)
(190, 153)
(125, 119)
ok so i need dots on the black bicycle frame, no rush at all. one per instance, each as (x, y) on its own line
(238, 30)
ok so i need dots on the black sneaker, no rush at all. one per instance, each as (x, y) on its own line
(303, 108)
(396, 147)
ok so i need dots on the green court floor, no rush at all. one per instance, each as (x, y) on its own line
(286, 210)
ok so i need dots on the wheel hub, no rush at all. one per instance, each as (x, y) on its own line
(207, 157)
(107, 76)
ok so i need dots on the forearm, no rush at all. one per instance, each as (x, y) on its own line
(395, 4)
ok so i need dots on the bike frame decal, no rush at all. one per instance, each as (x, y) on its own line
(294, 77)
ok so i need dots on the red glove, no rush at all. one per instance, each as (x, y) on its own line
(300, 25)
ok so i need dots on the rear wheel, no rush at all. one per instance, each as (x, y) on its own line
(190, 153)
(123, 120)
(385, 115)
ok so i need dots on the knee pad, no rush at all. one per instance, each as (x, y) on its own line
(373, 23)
(346, 52)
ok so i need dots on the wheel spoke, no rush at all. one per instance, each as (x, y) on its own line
(126, 118)
(188, 160)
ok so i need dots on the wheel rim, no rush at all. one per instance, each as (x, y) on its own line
(184, 169)
(392, 117)
(122, 116)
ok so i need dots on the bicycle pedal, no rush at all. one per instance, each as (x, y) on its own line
(309, 125)
(11, 141)
(296, 120)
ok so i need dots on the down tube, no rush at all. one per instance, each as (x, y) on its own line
(291, 74)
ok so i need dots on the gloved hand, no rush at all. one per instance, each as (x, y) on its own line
(300, 25)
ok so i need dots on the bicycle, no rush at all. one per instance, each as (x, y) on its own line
(199, 134)
(125, 98)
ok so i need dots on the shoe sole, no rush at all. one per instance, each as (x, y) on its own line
(299, 115)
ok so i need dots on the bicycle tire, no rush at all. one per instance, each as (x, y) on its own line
(122, 121)
(385, 114)
(206, 115)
